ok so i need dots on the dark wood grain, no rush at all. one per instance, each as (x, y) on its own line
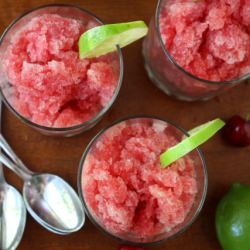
(138, 95)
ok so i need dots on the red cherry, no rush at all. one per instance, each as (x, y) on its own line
(237, 131)
(123, 247)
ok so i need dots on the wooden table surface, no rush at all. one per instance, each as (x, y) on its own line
(138, 96)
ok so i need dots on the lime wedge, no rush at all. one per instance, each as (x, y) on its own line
(197, 136)
(104, 39)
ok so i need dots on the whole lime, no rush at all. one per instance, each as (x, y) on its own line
(233, 218)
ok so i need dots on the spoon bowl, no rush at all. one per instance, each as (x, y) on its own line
(12, 211)
(12, 217)
(53, 203)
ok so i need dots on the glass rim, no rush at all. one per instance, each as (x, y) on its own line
(85, 206)
(101, 112)
(173, 61)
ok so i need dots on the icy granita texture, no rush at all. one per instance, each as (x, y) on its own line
(125, 188)
(50, 85)
(208, 38)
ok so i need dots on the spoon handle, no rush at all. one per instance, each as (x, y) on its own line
(9, 151)
(11, 165)
(2, 179)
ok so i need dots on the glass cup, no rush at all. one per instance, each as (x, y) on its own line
(64, 10)
(170, 77)
(128, 237)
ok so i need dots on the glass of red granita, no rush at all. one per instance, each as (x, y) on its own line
(197, 49)
(127, 194)
(43, 80)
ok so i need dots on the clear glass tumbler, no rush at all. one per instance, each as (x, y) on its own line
(64, 10)
(169, 76)
(85, 178)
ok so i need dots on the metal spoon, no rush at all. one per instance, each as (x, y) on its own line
(49, 199)
(12, 212)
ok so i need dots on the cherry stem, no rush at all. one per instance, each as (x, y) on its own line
(248, 117)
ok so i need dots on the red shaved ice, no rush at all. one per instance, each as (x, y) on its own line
(49, 83)
(124, 186)
(208, 38)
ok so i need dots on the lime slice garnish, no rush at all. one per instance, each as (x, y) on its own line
(197, 136)
(104, 39)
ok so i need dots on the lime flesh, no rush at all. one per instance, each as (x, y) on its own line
(198, 136)
(105, 38)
